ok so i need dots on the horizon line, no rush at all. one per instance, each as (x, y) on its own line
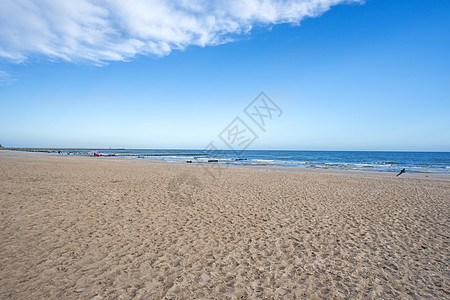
(124, 148)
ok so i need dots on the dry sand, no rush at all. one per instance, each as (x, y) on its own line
(79, 227)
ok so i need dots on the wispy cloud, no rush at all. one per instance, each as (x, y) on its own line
(6, 78)
(111, 30)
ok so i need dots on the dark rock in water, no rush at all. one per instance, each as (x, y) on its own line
(237, 159)
(213, 160)
(189, 161)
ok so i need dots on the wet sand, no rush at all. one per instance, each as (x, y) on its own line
(108, 228)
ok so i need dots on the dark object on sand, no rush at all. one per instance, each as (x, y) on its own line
(189, 161)
(213, 160)
(401, 172)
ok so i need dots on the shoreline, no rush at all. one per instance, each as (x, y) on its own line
(425, 176)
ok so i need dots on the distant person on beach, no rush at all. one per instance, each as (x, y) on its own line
(401, 172)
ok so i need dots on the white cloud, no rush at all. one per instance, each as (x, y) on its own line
(108, 30)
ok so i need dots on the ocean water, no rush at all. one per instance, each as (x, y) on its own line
(413, 162)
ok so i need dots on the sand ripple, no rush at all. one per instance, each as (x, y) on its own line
(87, 228)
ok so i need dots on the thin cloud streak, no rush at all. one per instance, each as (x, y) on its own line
(6, 78)
(117, 30)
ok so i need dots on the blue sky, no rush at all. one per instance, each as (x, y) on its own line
(352, 76)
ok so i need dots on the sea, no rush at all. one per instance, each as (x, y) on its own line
(383, 161)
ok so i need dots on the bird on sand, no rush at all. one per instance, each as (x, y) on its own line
(401, 172)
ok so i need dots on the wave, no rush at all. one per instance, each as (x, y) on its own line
(375, 166)
(390, 163)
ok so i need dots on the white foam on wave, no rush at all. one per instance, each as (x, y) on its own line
(264, 160)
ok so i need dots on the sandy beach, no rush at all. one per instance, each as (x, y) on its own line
(108, 228)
